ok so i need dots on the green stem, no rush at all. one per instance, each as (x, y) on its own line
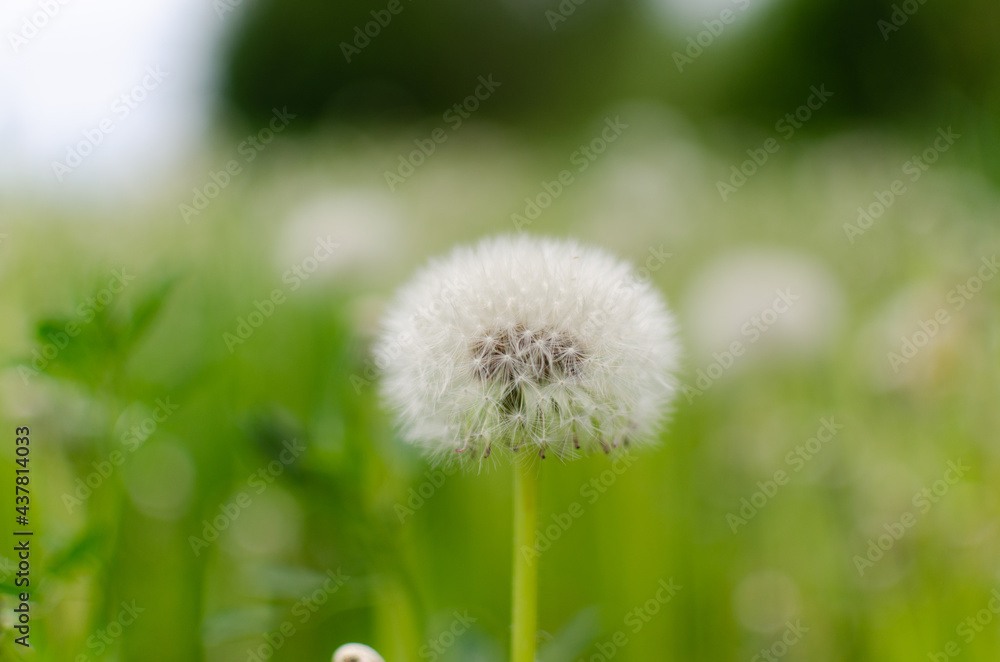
(525, 593)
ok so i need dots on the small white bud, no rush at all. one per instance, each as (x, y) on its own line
(356, 653)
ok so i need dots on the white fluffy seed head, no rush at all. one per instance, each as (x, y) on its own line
(356, 653)
(521, 344)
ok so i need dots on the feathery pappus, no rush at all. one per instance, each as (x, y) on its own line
(527, 344)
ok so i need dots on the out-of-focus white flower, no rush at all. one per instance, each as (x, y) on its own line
(893, 330)
(367, 227)
(159, 480)
(54, 408)
(773, 300)
(765, 600)
(356, 653)
(271, 528)
(520, 342)
(647, 188)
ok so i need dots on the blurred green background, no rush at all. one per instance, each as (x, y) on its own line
(214, 478)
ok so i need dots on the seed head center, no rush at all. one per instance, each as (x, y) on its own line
(518, 354)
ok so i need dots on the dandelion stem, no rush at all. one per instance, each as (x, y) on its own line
(525, 590)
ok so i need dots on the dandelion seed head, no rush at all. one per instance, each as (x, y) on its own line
(527, 344)
(356, 653)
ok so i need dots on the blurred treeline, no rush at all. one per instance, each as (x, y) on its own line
(943, 60)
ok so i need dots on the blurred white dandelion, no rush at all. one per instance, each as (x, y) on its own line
(368, 227)
(765, 600)
(886, 351)
(783, 303)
